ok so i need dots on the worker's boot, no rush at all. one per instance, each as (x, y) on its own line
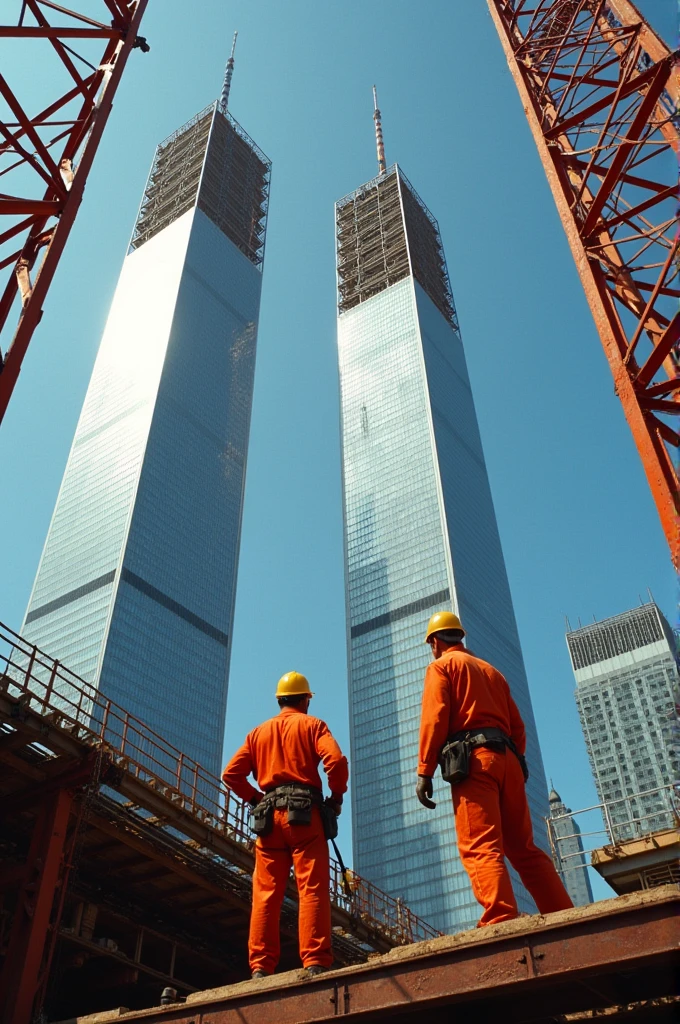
(259, 974)
(314, 969)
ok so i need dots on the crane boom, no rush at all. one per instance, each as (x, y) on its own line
(45, 157)
(600, 91)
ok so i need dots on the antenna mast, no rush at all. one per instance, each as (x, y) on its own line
(380, 145)
(229, 71)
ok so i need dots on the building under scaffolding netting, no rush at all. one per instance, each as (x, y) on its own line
(212, 163)
(385, 233)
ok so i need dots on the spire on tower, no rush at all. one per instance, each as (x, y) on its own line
(224, 98)
(380, 145)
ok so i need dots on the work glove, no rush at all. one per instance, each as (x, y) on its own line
(254, 800)
(524, 766)
(424, 791)
(335, 803)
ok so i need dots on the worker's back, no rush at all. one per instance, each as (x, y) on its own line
(468, 702)
(288, 748)
(290, 822)
(479, 695)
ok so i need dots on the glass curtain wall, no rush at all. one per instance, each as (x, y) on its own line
(420, 534)
(136, 586)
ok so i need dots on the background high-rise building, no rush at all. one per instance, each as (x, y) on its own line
(625, 677)
(570, 860)
(420, 534)
(136, 585)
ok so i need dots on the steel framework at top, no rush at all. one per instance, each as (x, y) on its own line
(45, 157)
(599, 90)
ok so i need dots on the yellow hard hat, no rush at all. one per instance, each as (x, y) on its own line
(443, 620)
(293, 684)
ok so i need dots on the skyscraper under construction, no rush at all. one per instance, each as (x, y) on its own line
(136, 585)
(420, 534)
(626, 691)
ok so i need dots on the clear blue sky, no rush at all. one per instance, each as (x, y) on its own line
(579, 529)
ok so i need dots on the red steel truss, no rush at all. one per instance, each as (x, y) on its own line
(600, 91)
(45, 157)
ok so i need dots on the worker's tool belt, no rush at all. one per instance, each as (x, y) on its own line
(454, 758)
(329, 819)
(293, 797)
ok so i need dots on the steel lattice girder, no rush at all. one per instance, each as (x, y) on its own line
(45, 157)
(600, 93)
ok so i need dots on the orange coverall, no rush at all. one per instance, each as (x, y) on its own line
(463, 693)
(284, 749)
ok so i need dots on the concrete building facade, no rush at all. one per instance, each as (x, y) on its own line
(626, 677)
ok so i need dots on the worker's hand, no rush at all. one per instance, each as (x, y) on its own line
(254, 801)
(335, 803)
(524, 766)
(424, 791)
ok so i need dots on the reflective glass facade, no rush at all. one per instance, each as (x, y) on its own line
(136, 585)
(420, 534)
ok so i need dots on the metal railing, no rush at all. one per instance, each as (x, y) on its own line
(79, 709)
(612, 822)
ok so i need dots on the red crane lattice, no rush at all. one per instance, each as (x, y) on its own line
(45, 157)
(600, 92)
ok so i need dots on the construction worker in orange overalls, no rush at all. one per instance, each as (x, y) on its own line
(467, 701)
(283, 755)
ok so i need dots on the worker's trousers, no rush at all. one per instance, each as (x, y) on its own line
(492, 823)
(306, 849)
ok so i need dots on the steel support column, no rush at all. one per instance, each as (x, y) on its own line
(27, 939)
(45, 157)
(600, 92)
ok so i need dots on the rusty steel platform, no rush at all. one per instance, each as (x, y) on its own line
(620, 953)
(641, 863)
(125, 867)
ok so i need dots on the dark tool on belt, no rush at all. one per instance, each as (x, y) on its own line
(292, 797)
(298, 800)
(454, 758)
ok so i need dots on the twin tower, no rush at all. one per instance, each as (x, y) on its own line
(136, 586)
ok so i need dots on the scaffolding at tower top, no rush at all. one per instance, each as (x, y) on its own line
(212, 163)
(384, 234)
